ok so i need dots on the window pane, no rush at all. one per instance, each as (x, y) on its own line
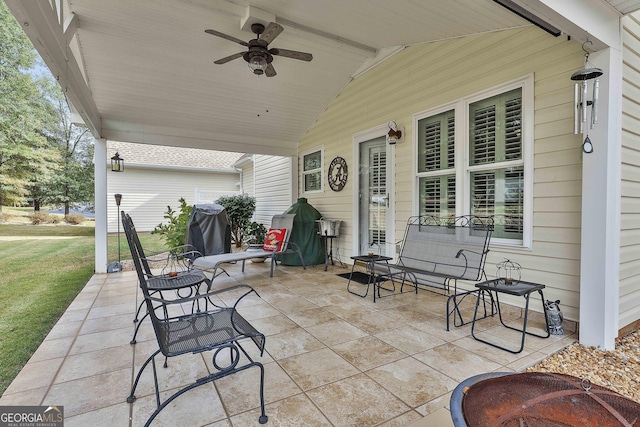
(312, 161)
(313, 181)
(436, 142)
(495, 128)
(438, 195)
(500, 193)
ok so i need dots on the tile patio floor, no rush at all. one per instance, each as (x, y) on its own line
(331, 359)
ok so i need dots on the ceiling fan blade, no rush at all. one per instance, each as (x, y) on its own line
(272, 31)
(228, 58)
(226, 36)
(270, 71)
(294, 54)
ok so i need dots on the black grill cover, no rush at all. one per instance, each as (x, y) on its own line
(208, 229)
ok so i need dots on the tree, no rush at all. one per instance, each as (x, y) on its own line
(72, 181)
(23, 112)
(239, 209)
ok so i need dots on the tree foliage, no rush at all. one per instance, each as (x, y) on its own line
(23, 114)
(42, 155)
(239, 209)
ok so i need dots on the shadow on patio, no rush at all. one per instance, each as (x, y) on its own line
(331, 358)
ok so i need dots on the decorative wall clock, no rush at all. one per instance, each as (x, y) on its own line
(338, 173)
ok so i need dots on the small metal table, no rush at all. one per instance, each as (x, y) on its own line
(522, 289)
(328, 249)
(370, 260)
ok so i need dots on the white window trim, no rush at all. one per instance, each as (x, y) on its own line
(319, 148)
(462, 168)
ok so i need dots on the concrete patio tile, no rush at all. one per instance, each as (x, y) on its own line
(199, 406)
(52, 349)
(290, 343)
(90, 393)
(412, 381)
(293, 411)
(31, 397)
(357, 400)
(456, 362)
(64, 330)
(316, 368)
(311, 317)
(336, 332)
(91, 326)
(35, 375)
(273, 325)
(368, 352)
(241, 392)
(100, 340)
(93, 363)
(115, 415)
(403, 420)
(409, 340)
(112, 310)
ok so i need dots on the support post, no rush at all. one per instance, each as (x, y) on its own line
(100, 188)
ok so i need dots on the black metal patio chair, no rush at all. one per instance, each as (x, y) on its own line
(176, 272)
(219, 330)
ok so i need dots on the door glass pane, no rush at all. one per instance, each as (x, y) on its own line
(374, 198)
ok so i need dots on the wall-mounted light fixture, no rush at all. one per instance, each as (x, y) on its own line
(581, 98)
(395, 134)
(117, 163)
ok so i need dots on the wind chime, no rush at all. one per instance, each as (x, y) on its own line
(582, 101)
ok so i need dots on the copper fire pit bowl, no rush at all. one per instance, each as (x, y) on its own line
(534, 399)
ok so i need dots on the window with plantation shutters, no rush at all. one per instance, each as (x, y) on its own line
(481, 161)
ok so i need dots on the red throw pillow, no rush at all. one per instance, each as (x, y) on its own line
(274, 239)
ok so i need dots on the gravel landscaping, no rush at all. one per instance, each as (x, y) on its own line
(618, 370)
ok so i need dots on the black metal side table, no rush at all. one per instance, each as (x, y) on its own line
(521, 289)
(370, 261)
(328, 249)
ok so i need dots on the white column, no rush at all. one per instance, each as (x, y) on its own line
(600, 246)
(100, 177)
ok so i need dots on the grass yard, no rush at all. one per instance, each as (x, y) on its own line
(43, 268)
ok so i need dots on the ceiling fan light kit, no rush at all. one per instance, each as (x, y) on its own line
(258, 56)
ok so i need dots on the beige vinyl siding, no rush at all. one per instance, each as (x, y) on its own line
(248, 179)
(147, 192)
(431, 75)
(630, 174)
(273, 186)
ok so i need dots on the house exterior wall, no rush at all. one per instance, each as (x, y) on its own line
(147, 192)
(630, 174)
(272, 186)
(248, 179)
(430, 75)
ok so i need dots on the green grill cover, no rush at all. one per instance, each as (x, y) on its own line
(305, 235)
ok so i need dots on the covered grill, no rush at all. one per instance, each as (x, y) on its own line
(536, 399)
(209, 230)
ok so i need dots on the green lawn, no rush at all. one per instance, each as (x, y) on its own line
(40, 278)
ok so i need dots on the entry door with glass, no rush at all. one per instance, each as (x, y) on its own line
(374, 211)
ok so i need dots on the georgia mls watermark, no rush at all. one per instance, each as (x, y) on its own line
(31, 416)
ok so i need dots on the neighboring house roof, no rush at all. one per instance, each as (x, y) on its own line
(160, 155)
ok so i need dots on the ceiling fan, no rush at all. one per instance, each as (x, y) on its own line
(259, 56)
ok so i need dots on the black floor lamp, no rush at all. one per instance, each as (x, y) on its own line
(114, 267)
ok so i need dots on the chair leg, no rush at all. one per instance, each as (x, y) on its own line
(132, 396)
(302, 260)
(135, 333)
(138, 311)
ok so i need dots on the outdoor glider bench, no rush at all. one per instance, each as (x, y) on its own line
(278, 244)
(437, 252)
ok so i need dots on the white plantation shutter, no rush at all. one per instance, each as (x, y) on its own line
(436, 144)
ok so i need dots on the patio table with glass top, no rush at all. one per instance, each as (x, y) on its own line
(516, 288)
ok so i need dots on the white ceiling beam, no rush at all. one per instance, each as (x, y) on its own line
(40, 22)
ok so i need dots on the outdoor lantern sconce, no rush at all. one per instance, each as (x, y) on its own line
(395, 134)
(581, 98)
(117, 163)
